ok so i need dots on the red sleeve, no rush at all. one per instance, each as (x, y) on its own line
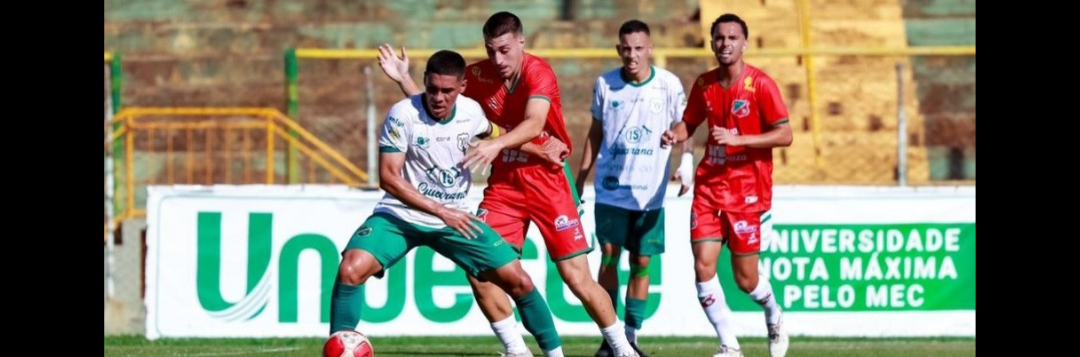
(695, 112)
(540, 82)
(771, 103)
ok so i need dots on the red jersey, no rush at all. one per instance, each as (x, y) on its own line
(506, 106)
(737, 179)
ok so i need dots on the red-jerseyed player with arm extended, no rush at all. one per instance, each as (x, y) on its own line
(733, 184)
(519, 91)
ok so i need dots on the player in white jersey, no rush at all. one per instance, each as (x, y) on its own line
(421, 167)
(632, 107)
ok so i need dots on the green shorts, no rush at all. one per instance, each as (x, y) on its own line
(389, 238)
(640, 232)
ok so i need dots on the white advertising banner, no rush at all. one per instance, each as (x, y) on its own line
(260, 261)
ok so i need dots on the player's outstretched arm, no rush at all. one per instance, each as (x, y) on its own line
(391, 181)
(397, 68)
(588, 156)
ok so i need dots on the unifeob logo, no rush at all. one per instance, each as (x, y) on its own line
(260, 285)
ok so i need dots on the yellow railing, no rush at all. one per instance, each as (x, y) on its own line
(211, 144)
(660, 55)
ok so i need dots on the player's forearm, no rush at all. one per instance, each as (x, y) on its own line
(681, 131)
(779, 136)
(407, 194)
(408, 87)
(529, 129)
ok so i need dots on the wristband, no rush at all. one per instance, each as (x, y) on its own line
(495, 131)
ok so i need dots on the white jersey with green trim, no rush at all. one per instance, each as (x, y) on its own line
(434, 154)
(632, 168)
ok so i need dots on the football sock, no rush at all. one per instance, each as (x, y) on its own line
(506, 331)
(635, 316)
(712, 301)
(536, 316)
(616, 338)
(346, 302)
(763, 295)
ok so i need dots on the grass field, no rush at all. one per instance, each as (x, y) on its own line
(573, 346)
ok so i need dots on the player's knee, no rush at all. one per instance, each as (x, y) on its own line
(611, 250)
(747, 281)
(704, 270)
(355, 268)
(639, 268)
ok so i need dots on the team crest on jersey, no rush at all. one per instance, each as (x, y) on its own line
(463, 142)
(563, 223)
(741, 108)
(656, 105)
(701, 82)
(476, 71)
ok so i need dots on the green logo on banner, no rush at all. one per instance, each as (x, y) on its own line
(865, 267)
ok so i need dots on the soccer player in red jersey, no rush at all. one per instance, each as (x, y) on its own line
(747, 118)
(519, 92)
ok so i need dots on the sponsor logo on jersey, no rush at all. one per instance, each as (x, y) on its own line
(563, 223)
(637, 135)
(422, 142)
(741, 227)
(363, 231)
(445, 178)
(748, 84)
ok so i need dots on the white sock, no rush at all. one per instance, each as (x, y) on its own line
(616, 338)
(557, 352)
(631, 334)
(716, 309)
(507, 332)
(763, 295)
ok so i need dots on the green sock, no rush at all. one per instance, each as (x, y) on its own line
(536, 317)
(345, 305)
(635, 312)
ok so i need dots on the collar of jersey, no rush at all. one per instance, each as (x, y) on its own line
(453, 112)
(652, 74)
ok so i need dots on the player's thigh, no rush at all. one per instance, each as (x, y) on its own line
(612, 224)
(510, 222)
(705, 223)
(554, 210)
(487, 252)
(743, 232)
(647, 236)
(384, 237)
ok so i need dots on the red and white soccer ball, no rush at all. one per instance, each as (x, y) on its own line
(348, 343)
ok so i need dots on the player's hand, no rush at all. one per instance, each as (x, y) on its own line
(462, 222)
(554, 151)
(481, 154)
(667, 139)
(724, 136)
(397, 68)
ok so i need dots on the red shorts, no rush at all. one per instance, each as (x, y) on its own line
(741, 231)
(540, 195)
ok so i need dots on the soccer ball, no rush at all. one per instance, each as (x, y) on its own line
(348, 343)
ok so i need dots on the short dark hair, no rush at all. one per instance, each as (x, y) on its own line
(446, 63)
(729, 18)
(501, 23)
(633, 26)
